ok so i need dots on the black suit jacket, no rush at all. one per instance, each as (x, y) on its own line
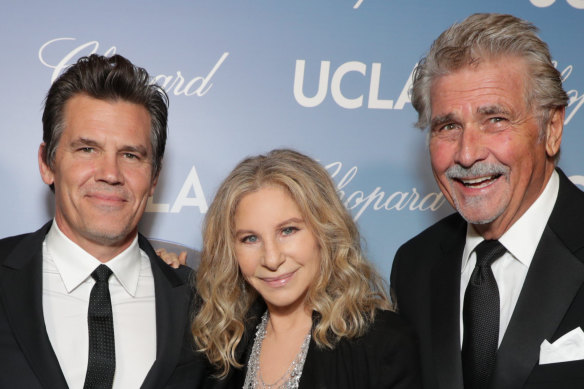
(385, 357)
(27, 359)
(425, 280)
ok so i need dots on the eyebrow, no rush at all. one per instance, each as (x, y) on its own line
(80, 142)
(442, 119)
(492, 110)
(135, 149)
(83, 142)
(279, 225)
(486, 110)
(291, 220)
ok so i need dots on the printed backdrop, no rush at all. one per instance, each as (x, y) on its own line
(329, 78)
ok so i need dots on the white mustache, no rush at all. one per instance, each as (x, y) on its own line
(477, 170)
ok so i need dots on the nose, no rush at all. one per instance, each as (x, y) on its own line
(108, 170)
(273, 256)
(471, 148)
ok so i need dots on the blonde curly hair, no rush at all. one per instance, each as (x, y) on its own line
(345, 292)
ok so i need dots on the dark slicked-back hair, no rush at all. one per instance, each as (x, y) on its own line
(106, 78)
(482, 37)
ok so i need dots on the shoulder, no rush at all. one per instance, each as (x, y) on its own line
(424, 246)
(435, 233)
(23, 244)
(9, 243)
(386, 356)
(566, 219)
(390, 331)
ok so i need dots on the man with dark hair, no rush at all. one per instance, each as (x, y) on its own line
(85, 301)
(495, 291)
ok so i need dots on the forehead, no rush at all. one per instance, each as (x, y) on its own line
(490, 83)
(270, 201)
(90, 117)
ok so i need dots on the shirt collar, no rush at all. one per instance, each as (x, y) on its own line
(75, 265)
(522, 238)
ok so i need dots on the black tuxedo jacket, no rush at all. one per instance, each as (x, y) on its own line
(27, 359)
(425, 281)
(386, 357)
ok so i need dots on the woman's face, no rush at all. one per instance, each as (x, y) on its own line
(277, 253)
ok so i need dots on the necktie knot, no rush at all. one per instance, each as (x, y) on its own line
(488, 251)
(102, 273)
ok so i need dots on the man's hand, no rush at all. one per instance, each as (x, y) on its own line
(171, 258)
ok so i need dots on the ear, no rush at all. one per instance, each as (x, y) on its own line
(153, 185)
(46, 173)
(554, 129)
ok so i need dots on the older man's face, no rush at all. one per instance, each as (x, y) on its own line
(485, 146)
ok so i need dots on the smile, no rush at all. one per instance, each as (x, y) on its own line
(479, 182)
(279, 281)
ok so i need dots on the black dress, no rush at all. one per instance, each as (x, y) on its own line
(385, 357)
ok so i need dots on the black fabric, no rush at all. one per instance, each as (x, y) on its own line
(27, 359)
(481, 318)
(101, 365)
(386, 356)
(425, 280)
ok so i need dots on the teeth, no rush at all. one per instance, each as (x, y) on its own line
(478, 182)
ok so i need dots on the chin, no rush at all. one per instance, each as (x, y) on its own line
(474, 211)
(108, 236)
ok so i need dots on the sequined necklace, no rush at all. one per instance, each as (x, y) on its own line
(290, 379)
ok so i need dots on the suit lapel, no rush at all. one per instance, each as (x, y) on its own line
(21, 286)
(445, 312)
(553, 279)
(172, 308)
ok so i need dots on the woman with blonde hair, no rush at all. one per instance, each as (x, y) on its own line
(287, 299)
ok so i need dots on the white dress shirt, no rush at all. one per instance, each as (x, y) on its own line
(521, 241)
(67, 284)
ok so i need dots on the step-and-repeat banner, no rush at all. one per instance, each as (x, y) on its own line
(329, 78)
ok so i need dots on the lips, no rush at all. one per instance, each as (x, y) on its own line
(278, 281)
(107, 197)
(107, 200)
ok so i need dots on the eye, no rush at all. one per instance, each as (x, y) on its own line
(249, 239)
(448, 127)
(497, 119)
(445, 127)
(131, 156)
(289, 230)
(86, 149)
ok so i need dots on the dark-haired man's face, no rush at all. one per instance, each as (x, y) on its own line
(102, 173)
(485, 146)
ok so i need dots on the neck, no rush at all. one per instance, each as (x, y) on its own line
(103, 250)
(287, 322)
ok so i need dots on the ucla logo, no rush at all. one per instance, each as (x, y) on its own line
(578, 4)
(374, 75)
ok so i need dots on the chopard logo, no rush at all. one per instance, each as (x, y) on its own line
(177, 83)
(576, 99)
(378, 200)
(578, 4)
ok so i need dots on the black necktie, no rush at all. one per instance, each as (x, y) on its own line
(101, 365)
(481, 318)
